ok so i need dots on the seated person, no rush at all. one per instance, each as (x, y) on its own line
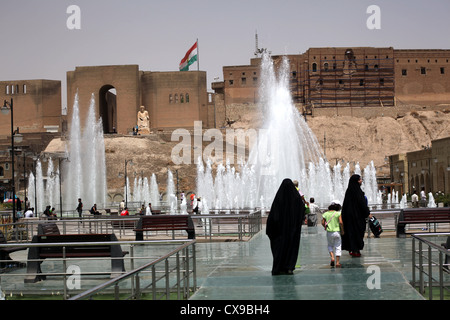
(29, 213)
(124, 212)
(49, 213)
(94, 210)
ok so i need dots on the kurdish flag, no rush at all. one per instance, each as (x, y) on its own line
(190, 57)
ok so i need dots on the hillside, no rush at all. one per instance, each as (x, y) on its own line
(347, 138)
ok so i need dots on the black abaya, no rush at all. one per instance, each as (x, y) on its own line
(354, 214)
(283, 227)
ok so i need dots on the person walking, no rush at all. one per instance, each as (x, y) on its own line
(79, 208)
(314, 214)
(283, 227)
(332, 222)
(354, 214)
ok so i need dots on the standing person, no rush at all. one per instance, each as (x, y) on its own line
(415, 200)
(314, 213)
(332, 222)
(423, 198)
(80, 207)
(121, 205)
(284, 225)
(148, 210)
(354, 214)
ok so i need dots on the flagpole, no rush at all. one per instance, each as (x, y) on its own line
(198, 57)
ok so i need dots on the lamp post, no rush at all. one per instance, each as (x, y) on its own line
(126, 184)
(8, 106)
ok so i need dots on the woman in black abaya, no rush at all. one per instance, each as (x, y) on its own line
(354, 214)
(283, 227)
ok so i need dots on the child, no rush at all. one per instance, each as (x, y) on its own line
(332, 222)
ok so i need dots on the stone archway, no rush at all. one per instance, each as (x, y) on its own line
(108, 108)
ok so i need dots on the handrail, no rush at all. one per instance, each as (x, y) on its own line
(442, 267)
(188, 266)
(129, 274)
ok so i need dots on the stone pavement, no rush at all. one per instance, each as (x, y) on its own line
(242, 271)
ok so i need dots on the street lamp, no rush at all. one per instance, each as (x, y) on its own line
(126, 184)
(7, 106)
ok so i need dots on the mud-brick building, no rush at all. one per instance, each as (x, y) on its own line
(428, 168)
(36, 117)
(172, 99)
(350, 77)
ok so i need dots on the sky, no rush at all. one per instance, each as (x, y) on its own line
(37, 43)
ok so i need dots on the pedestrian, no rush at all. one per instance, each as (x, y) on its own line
(332, 222)
(283, 228)
(415, 199)
(121, 205)
(307, 210)
(148, 210)
(79, 208)
(354, 214)
(423, 198)
(142, 211)
(314, 213)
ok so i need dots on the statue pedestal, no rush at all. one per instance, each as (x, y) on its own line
(144, 131)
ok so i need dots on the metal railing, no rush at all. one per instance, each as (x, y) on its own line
(431, 261)
(174, 267)
(145, 279)
(207, 225)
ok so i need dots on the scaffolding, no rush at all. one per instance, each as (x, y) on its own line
(345, 82)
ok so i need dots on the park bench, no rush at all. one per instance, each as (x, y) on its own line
(123, 222)
(5, 259)
(37, 254)
(48, 228)
(165, 223)
(446, 245)
(421, 216)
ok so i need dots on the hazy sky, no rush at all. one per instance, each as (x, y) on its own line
(37, 44)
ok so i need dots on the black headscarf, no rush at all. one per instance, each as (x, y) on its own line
(284, 227)
(354, 214)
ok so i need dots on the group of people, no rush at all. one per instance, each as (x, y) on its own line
(415, 199)
(144, 211)
(345, 224)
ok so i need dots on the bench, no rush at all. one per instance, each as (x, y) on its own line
(123, 222)
(48, 229)
(165, 223)
(5, 259)
(421, 216)
(446, 245)
(37, 254)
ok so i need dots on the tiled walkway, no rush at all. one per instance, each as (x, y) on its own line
(242, 271)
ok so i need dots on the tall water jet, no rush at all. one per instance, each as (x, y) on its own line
(84, 171)
(285, 148)
(154, 191)
(171, 197)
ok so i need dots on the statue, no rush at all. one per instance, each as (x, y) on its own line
(143, 120)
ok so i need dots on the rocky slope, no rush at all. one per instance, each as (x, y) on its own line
(342, 138)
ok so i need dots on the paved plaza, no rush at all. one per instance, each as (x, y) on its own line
(242, 270)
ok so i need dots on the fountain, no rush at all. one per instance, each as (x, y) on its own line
(285, 148)
(83, 171)
(431, 202)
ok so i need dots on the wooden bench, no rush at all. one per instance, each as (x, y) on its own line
(48, 229)
(37, 254)
(123, 222)
(421, 216)
(446, 245)
(165, 223)
(5, 259)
